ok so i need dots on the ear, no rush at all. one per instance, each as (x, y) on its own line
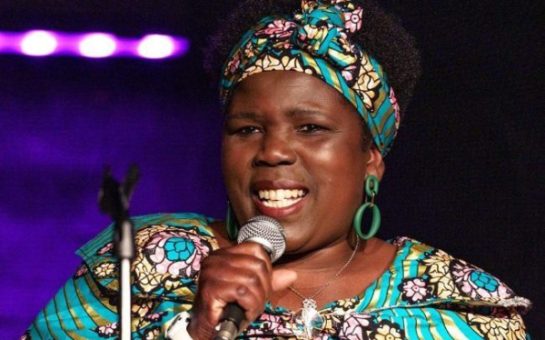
(375, 164)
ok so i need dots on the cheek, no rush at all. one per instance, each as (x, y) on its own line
(237, 172)
(230, 166)
(341, 157)
(236, 166)
(339, 169)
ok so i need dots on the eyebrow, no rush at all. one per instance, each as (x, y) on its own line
(241, 115)
(304, 112)
(291, 113)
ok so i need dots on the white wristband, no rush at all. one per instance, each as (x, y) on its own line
(178, 327)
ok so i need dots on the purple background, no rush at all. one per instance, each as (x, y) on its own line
(463, 175)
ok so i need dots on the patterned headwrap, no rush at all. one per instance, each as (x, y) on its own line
(316, 41)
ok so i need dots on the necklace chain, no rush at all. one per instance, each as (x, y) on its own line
(330, 281)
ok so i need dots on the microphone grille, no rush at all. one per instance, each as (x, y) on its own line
(266, 231)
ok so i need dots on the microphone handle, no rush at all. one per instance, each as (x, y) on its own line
(233, 315)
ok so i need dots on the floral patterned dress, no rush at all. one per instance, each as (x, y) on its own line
(425, 294)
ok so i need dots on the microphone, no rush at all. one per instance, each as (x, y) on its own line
(268, 233)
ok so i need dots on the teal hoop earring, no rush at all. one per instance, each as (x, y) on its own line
(231, 223)
(371, 190)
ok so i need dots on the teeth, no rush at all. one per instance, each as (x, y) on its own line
(280, 198)
(281, 204)
(280, 194)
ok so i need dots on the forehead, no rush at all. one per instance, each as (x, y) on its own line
(286, 89)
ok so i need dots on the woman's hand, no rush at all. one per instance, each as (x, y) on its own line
(241, 274)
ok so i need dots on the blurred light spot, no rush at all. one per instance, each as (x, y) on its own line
(38, 43)
(92, 45)
(156, 46)
(97, 45)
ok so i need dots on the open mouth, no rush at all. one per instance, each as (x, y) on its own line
(280, 198)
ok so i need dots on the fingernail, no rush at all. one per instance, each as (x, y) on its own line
(242, 290)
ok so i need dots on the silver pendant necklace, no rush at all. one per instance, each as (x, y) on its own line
(309, 314)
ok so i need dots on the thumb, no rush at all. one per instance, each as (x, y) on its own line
(282, 278)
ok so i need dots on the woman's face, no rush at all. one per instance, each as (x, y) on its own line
(292, 150)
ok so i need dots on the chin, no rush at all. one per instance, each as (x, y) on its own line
(297, 242)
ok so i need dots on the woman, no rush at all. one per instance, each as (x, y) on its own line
(309, 116)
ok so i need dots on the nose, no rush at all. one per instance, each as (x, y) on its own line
(275, 149)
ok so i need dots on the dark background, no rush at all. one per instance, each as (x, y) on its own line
(465, 175)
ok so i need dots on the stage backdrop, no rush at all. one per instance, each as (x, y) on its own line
(463, 175)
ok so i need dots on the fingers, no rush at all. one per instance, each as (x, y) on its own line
(242, 274)
(251, 249)
(247, 264)
(282, 279)
(208, 310)
(239, 285)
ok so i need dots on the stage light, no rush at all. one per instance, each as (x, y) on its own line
(156, 46)
(97, 45)
(38, 43)
(92, 45)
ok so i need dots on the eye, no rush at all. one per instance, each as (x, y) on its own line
(245, 130)
(311, 128)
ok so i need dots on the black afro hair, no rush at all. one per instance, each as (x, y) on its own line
(382, 36)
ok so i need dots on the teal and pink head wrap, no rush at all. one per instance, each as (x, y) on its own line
(316, 41)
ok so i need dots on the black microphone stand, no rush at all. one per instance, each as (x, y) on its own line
(114, 201)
